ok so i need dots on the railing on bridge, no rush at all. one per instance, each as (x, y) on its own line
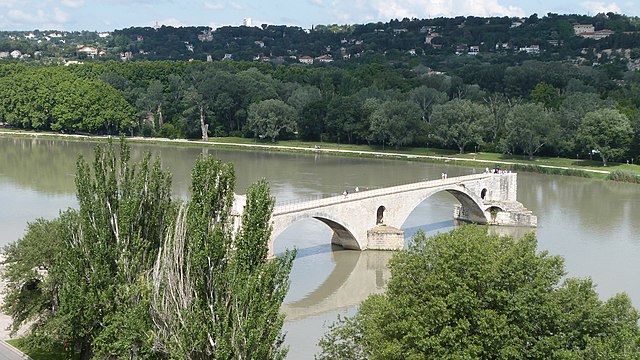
(330, 199)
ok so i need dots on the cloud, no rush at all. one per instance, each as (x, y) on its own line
(170, 22)
(383, 10)
(596, 7)
(213, 6)
(315, 2)
(387, 9)
(236, 6)
(8, 3)
(75, 4)
(40, 18)
(60, 16)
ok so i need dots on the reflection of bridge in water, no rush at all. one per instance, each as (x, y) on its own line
(356, 276)
(372, 219)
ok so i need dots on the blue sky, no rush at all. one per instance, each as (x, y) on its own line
(107, 15)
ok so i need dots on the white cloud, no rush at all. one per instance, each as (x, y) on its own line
(75, 4)
(315, 2)
(213, 6)
(40, 18)
(236, 5)
(60, 16)
(596, 7)
(430, 8)
(170, 22)
(383, 10)
(8, 3)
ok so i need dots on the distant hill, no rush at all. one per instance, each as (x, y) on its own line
(578, 38)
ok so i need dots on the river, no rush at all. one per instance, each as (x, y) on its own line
(593, 224)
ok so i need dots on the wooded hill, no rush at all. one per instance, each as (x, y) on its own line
(427, 41)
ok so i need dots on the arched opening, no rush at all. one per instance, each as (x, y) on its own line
(483, 193)
(380, 215)
(493, 212)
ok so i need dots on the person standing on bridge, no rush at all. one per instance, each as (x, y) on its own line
(345, 193)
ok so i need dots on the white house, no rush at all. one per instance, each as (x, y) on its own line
(325, 58)
(583, 28)
(16, 54)
(88, 50)
(531, 49)
(306, 59)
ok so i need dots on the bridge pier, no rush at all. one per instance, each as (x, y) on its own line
(385, 238)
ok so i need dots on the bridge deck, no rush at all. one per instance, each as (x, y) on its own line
(364, 194)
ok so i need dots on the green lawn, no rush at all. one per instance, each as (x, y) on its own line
(579, 164)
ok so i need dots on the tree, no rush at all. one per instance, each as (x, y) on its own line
(269, 117)
(528, 128)
(466, 294)
(344, 114)
(215, 293)
(426, 98)
(395, 122)
(99, 278)
(460, 122)
(152, 101)
(546, 95)
(606, 131)
(197, 106)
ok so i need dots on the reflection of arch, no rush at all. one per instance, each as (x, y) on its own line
(345, 262)
(380, 215)
(355, 276)
(483, 193)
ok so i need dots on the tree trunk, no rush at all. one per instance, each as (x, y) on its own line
(203, 127)
(160, 117)
(86, 352)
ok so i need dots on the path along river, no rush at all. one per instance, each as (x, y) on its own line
(593, 224)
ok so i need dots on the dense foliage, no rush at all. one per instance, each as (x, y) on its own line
(134, 274)
(469, 295)
(537, 108)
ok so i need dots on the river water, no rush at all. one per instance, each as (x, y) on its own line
(593, 224)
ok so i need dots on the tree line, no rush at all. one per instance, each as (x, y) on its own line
(546, 108)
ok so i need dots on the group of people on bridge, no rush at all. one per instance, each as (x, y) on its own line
(496, 171)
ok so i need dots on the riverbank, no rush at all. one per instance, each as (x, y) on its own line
(575, 167)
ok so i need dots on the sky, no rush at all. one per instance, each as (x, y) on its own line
(108, 15)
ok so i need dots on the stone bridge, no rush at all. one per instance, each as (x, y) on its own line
(372, 219)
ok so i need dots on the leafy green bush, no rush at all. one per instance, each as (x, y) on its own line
(549, 170)
(624, 176)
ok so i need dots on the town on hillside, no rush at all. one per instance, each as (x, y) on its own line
(586, 40)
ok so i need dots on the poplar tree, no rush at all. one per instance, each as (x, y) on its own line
(215, 294)
(134, 274)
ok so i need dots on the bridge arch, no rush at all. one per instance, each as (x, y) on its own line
(342, 232)
(469, 202)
